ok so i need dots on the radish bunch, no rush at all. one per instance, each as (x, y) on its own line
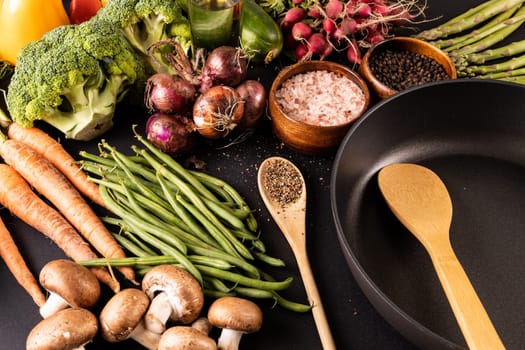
(318, 28)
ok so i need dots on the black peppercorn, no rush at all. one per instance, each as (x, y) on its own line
(400, 70)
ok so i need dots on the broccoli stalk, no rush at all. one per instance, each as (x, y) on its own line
(72, 78)
(92, 112)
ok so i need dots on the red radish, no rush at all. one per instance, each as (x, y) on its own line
(329, 25)
(317, 44)
(297, 2)
(374, 37)
(301, 31)
(314, 12)
(334, 9)
(363, 10)
(327, 51)
(348, 26)
(353, 54)
(292, 16)
(302, 52)
(381, 9)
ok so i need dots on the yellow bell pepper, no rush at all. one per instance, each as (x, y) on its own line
(22, 21)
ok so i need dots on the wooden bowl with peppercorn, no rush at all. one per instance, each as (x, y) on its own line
(399, 63)
(312, 104)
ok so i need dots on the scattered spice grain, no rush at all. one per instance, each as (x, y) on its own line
(321, 98)
(283, 182)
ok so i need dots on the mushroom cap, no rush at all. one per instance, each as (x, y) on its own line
(122, 313)
(76, 284)
(184, 291)
(235, 313)
(67, 329)
(185, 338)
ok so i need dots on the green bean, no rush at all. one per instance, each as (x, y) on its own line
(243, 280)
(269, 259)
(216, 294)
(155, 229)
(216, 284)
(209, 261)
(231, 245)
(224, 213)
(156, 208)
(219, 183)
(251, 270)
(175, 166)
(184, 215)
(148, 236)
(279, 300)
(132, 245)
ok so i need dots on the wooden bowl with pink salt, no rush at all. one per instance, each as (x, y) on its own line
(312, 104)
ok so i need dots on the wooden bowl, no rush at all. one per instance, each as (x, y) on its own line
(379, 89)
(309, 138)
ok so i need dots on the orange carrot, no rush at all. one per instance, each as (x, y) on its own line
(18, 197)
(53, 151)
(16, 264)
(53, 185)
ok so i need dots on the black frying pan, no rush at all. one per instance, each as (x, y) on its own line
(472, 134)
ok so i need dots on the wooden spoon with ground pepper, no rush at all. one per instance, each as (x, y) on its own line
(283, 191)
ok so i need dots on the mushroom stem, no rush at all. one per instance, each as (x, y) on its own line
(202, 324)
(145, 337)
(53, 304)
(229, 339)
(158, 313)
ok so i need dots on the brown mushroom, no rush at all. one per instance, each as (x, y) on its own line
(236, 316)
(202, 324)
(68, 284)
(185, 338)
(66, 329)
(122, 318)
(175, 295)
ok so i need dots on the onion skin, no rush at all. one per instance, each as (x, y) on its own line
(254, 95)
(225, 65)
(168, 93)
(173, 134)
(218, 111)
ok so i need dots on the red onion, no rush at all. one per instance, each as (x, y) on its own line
(253, 93)
(168, 93)
(225, 65)
(217, 111)
(173, 134)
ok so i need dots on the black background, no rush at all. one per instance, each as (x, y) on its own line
(354, 322)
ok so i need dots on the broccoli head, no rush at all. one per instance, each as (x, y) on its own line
(72, 78)
(145, 22)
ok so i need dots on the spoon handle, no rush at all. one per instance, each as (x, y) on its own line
(471, 316)
(314, 298)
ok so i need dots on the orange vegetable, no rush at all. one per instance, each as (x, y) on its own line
(20, 200)
(16, 264)
(50, 182)
(22, 21)
(53, 151)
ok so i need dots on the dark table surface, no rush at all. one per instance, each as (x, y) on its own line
(354, 322)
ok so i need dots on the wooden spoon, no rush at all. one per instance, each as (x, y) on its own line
(420, 200)
(283, 191)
